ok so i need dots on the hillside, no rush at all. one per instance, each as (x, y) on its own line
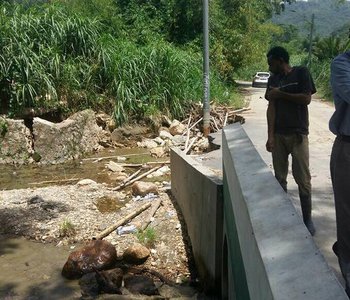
(329, 16)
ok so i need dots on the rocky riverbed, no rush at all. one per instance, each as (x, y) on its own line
(73, 214)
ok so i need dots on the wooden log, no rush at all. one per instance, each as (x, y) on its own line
(151, 214)
(123, 221)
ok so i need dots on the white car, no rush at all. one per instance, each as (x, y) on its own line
(260, 79)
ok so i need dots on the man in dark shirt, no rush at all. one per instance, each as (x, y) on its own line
(289, 91)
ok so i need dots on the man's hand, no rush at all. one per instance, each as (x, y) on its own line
(270, 144)
(273, 94)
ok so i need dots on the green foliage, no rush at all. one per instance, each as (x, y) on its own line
(329, 47)
(147, 237)
(3, 127)
(130, 58)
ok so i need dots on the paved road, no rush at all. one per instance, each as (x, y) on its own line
(321, 141)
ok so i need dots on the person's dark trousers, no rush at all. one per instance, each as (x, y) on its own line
(340, 174)
(298, 146)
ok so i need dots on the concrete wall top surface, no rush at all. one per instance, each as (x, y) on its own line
(294, 266)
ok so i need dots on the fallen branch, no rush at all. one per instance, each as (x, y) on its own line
(119, 187)
(151, 214)
(121, 222)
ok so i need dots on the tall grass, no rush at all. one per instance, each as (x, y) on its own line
(54, 58)
(321, 72)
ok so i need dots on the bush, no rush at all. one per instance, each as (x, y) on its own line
(55, 58)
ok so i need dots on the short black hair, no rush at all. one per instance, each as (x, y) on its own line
(279, 53)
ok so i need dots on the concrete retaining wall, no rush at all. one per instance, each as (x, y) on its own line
(247, 238)
(270, 253)
(198, 192)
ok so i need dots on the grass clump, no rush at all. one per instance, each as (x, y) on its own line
(67, 229)
(147, 237)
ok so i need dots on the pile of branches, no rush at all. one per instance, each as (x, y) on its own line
(220, 116)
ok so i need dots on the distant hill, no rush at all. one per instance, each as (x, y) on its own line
(330, 17)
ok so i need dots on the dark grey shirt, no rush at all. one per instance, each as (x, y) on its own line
(291, 117)
(339, 123)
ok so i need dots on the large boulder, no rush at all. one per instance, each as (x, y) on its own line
(97, 255)
(16, 142)
(127, 133)
(176, 127)
(142, 188)
(57, 142)
(136, 254)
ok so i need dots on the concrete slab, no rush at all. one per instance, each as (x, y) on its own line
(280, 259)
(320, 140)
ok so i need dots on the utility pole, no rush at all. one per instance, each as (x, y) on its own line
(310, 41)
(206, 77)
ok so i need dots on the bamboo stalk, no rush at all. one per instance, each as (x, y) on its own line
(195, 124)
(151, 214)
(188, 131)
(123, 221)
(226, 116)
(216, 126)
(119, 187)
(132, 176)
(191, 144)
(239, 110)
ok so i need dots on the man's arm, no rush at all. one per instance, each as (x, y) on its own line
(276, 95)
(270, 115)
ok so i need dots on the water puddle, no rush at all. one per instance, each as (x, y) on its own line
(31, 270)
(108, 204)
(92, 167)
